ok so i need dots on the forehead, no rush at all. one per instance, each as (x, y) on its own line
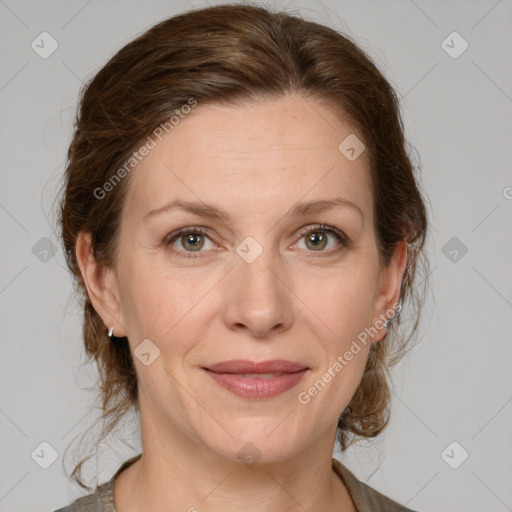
(251, 156)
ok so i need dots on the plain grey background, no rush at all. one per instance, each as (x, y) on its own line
(455, 387)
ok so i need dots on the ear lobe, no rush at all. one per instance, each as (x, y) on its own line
(100, 283)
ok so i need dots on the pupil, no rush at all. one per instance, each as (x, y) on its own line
(316, 239)
(190, 240)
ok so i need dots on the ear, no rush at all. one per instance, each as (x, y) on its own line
(390, 281)
(101, 285)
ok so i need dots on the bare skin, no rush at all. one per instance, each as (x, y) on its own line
(200, 302)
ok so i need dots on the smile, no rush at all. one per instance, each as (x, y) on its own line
(257, 385)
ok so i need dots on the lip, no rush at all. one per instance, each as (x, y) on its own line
(230, 376)
(246, 366)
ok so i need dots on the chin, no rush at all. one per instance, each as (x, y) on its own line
(258, 447)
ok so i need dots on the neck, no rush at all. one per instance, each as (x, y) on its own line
(290, 487)
(177, 473)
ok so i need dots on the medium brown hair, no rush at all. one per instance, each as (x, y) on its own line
(227, 55)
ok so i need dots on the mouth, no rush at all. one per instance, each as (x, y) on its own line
(244, 366)
(257, 380)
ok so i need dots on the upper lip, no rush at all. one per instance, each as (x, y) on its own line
(246, 366)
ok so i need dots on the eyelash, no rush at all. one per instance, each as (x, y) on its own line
(199, 230)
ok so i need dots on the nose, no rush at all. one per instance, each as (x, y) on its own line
(258, 298)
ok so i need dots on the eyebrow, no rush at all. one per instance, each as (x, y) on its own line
(217, 213)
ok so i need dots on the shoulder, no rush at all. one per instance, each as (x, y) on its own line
(98, 501)
(365, 497)
(102, 499)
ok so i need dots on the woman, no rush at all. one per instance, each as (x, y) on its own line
(243, 224)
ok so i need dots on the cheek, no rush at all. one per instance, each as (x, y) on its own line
(165, 306)
(343, 300)
(147, 303)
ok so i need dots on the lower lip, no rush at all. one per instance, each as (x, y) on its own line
(248, 387)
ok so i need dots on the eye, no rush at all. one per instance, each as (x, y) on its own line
(192, 239)
(316, 238)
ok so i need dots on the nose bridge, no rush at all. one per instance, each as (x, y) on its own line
(257, 296)
(257, 267)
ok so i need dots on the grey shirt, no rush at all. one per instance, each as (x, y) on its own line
(365, 498)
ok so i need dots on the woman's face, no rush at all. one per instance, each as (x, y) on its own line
(254, 285)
